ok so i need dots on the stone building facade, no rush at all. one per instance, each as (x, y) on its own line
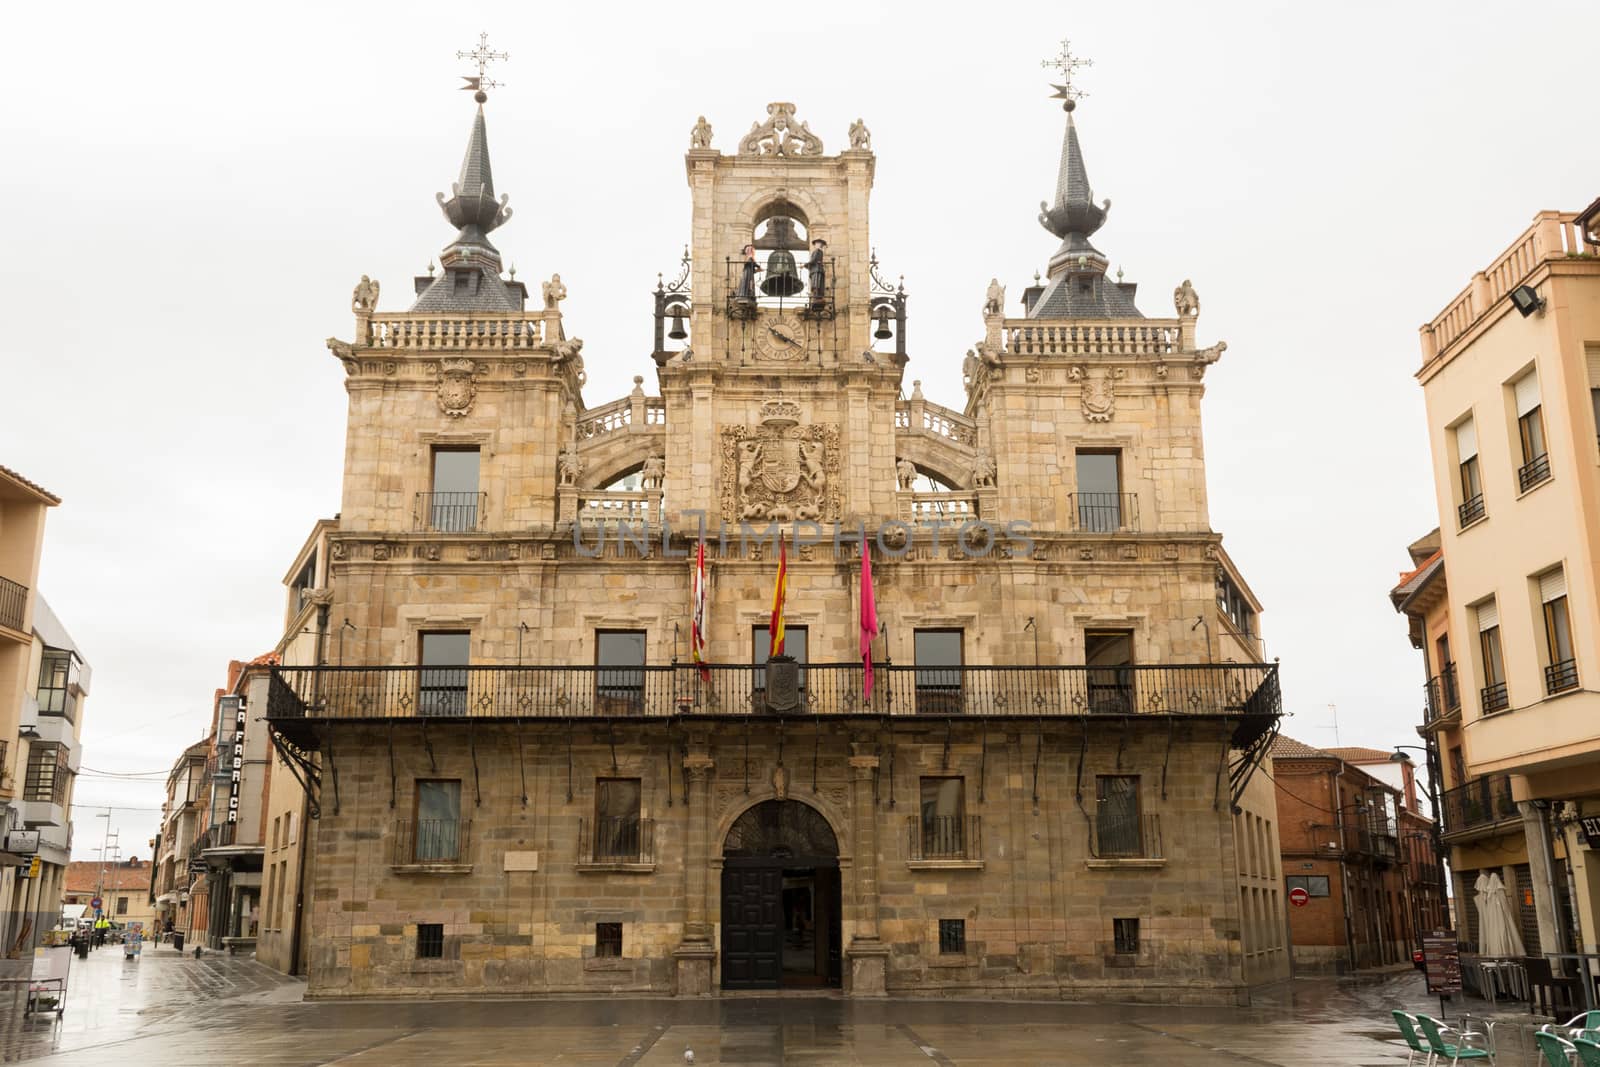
(520, 782)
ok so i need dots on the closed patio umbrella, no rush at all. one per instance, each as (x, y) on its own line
(1508, 938)
(1480, 900)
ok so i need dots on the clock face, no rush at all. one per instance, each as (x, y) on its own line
(781, 337)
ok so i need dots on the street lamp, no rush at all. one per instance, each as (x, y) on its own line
(1399, 756)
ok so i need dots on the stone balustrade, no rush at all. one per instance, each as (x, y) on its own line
(924, 509)
(478, 332)
(1093, 337)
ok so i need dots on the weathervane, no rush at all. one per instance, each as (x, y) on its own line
(1067, 64)
(482, 56)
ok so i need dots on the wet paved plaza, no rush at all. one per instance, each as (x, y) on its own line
(174, 1011)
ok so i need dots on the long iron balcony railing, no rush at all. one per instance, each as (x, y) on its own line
(508, 692)
(1444, 695)
(1480, 803)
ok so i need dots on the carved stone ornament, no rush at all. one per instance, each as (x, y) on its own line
(653, 473)
(905, 473)
(457, 388)
(780, 471)
(780, 782)
(994, 301)
(700, 136)
(554, 292)
(983, 470)
(1186, 300)
(1031, 375)
(1099, 398)
(380, 552)
(364, 301)
(569, 464)
(860, 137)
(780, 135)
(338, 549)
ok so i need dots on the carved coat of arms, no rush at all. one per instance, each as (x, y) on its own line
(457, 389)
(1099, 397)
(780, 471)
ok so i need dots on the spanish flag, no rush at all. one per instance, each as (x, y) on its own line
(697, 613)
(779, 592)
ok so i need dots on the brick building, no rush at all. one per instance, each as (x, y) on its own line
(123, 887)
(518, 781)
(1344, 839)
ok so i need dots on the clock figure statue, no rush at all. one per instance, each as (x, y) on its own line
(817, 273)
(747, 275)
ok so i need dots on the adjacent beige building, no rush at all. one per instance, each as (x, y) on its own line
(1511, 379)
(519, 782)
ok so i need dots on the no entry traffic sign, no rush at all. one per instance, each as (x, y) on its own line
(96, 903)
(1299, 897)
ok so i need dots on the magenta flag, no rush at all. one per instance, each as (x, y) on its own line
(869, 617)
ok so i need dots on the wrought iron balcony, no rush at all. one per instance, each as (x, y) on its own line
(1104, 512)
(1477, 804)
(617, 839)
(1138, 837)
(1534, 471)
(13, 603)
(944, 837)
(1244, 692)
(1470, 511)
(1494, 697)
(1559, 677)
(450, 512)
(1375, 838)
(1444, 696)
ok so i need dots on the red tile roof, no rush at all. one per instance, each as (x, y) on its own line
(1358, 754)
(35, 486)
(1288, 748)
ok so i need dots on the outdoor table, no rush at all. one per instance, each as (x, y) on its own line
(1587, 977)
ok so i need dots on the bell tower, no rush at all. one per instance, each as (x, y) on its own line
(782, 303)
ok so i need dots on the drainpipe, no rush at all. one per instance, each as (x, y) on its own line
(1344, 873)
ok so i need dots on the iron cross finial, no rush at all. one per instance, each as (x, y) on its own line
(1068, 65)
(482, 56)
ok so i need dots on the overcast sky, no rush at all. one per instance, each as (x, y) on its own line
(191, 194)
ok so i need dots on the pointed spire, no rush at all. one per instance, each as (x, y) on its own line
(472, 208)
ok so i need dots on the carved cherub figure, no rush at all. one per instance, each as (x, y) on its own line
(995, 299)
(554, 293)
(365, 298)
(1185, 299)
(700, 136)
(983, 469)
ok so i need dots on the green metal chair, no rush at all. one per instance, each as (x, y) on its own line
(1589, 1020)
(1587, 1048)
(1553, 1049)
(1455, 1052)
(1408, 1030)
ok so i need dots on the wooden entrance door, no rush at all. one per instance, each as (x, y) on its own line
(752, 927)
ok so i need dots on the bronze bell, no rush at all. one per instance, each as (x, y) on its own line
(677, 333)
(883, 333)
(782, 277)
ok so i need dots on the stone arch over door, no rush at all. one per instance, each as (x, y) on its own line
(785, 830)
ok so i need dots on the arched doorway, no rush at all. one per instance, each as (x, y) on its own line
(780, 899)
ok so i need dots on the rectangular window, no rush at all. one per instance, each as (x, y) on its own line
(795, 645)
(122, 905)
(1493, 694)
(1099, 495)
(1107, 654)
(1315, 885)
(283, 878)
(952, 937)
(1126, 934)
(288, 827)
(943, 818)
(47, 774)
(616, 819)
(58, 681)
(1591, 354)
(276, 826)
(442, 682)
(1561, 668)
(453, 503)
(430, 941)
(1116, 823)
(938, 675)
(438, 824)
(619, 683)
(272, 895)
(1530, 430)
(1471, 507)
(607, 939)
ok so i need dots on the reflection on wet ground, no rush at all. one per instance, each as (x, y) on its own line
(175, 1010)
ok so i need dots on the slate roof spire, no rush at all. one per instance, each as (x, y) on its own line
(470, 279)
(1077, 286)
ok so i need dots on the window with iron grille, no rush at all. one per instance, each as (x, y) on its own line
(1126, 934)
(122, 905)
(608, 939)
(437, 834)
(943, 824)
(616, 819)
(1116, 821)
(430, 941)
(47, 773)
(952, 937)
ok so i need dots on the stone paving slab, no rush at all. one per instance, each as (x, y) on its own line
(176, 1011)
